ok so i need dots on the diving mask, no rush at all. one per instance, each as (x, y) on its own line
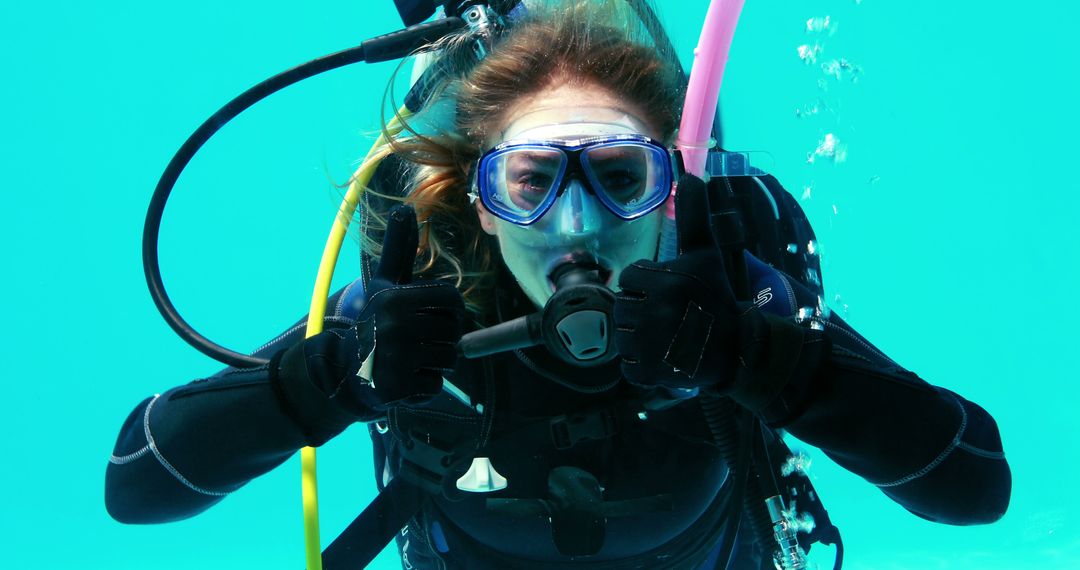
(566, 183)
(519, 181)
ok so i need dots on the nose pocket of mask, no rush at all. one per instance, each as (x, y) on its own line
(577, 211)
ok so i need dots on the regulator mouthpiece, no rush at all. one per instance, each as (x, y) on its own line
(578, 323)
(577, 273)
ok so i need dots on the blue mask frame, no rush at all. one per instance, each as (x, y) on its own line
(575, 165)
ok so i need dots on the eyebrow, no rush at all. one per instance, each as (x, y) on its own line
(535, 156)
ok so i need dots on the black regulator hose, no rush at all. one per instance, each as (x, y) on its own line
(734, 443)
(382, 48)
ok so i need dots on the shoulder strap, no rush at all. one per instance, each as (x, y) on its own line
(777, 230)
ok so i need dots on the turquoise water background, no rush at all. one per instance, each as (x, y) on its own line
(948, 235)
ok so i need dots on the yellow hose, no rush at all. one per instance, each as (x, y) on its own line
(317, 312)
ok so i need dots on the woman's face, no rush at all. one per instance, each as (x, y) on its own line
(577, 228)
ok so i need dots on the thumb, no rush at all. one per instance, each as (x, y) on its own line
(399, 246)
(692, 215)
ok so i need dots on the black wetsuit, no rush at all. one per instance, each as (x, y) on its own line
(651, 459)
(927, 448)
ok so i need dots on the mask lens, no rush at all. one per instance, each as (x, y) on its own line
(521, 182)
(630, 178)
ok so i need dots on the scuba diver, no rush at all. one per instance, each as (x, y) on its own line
(634, 418)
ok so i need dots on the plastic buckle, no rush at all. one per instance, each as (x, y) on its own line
(425, 465)
(569, 430)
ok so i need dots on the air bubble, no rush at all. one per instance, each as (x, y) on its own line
(841, 68)
(822, 24)
(811, 109)
(830, 148)
(801, 522)
(796, 463)
(792, 248)
(840, 303)
(824, 312)
(831, 68)
(804, 314)
(811, 247)
(809, 53)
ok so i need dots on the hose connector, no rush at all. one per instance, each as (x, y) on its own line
(788, 556)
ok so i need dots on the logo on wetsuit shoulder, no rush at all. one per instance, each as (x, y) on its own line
(763, 296)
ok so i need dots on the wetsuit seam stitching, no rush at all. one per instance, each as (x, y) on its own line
(297, 327)
(850, 354)
(955, 443)
(862, 342)
(164, 462)
(793, 305)
(122, 460)
(339, 308)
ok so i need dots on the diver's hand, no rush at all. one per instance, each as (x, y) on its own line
(416, 324)
(677, 321)
(679, 324)
(397, 353)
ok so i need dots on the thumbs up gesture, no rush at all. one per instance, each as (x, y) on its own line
(677, 321)
(416, 324)
(396, 353)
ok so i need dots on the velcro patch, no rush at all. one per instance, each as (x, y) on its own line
(688, 346)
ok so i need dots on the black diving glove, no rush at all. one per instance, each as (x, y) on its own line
(680, 326)
(397, 352)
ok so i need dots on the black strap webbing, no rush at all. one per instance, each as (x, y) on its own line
(374, 528)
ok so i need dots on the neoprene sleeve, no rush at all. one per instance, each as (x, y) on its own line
(185, 450)
(932, 451)
(180, 452)
(927, 448)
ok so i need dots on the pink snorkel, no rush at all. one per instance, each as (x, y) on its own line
(702, 95)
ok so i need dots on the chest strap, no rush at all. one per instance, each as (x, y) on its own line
(577, 510)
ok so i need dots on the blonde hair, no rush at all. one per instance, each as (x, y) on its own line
(559, 42)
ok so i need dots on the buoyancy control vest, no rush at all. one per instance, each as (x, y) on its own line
(587, 470)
